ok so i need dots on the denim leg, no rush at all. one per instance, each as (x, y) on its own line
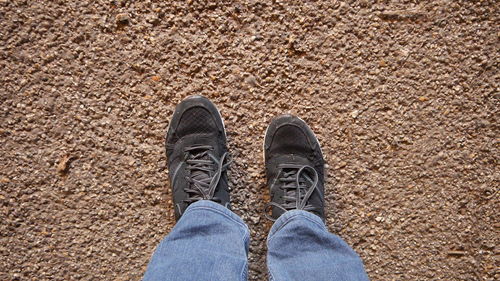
(301, 248)
(209, 242)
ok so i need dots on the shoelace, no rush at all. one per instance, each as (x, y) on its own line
(298, 187)
(204, 172)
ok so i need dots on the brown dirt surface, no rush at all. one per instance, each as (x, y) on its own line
(403, 95)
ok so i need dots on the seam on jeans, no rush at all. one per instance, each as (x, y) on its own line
(288, 220)
(246, 239)
(271, 277)
(244, 273)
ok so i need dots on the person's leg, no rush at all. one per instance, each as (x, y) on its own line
(301, 248)
(209, 242)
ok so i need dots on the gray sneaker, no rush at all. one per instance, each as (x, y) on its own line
(294, 167)
(197, 154)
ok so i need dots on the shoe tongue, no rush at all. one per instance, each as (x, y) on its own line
(292, 159)
(200, 175)
(294, 176)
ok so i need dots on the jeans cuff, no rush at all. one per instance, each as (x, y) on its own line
(289, 216)
(207, 205)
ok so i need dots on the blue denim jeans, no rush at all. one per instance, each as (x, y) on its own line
(210, 243)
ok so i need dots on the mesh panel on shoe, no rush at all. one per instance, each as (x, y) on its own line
(196, 120)
(290, 139)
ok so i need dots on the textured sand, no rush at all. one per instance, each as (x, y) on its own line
(403, 97)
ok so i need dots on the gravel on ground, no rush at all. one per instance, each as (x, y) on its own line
(403, 96)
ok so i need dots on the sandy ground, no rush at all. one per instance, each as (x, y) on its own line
(403, 96)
